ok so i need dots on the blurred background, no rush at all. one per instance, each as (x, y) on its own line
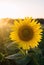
(22, 8)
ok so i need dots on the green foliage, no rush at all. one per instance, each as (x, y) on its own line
(12, 48)
(1, 57)
(20, 59)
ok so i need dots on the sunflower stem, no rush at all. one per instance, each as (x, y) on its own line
(26, 52)
(22, 51)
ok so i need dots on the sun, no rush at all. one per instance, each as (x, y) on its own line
(26, 33)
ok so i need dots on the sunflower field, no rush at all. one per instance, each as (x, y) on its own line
(21, 41)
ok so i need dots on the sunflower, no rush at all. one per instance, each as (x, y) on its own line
(26, 32)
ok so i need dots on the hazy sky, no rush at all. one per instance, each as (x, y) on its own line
(22, 8)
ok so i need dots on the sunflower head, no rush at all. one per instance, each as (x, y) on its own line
(27, 33)
(24, 33)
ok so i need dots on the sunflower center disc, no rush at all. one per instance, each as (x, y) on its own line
(25, 33)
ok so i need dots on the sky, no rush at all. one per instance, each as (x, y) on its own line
(21, 8)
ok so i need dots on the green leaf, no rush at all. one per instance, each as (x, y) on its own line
(19, 58)
(37, 50)
(12, 48)
(1, 57)
(42, 61)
